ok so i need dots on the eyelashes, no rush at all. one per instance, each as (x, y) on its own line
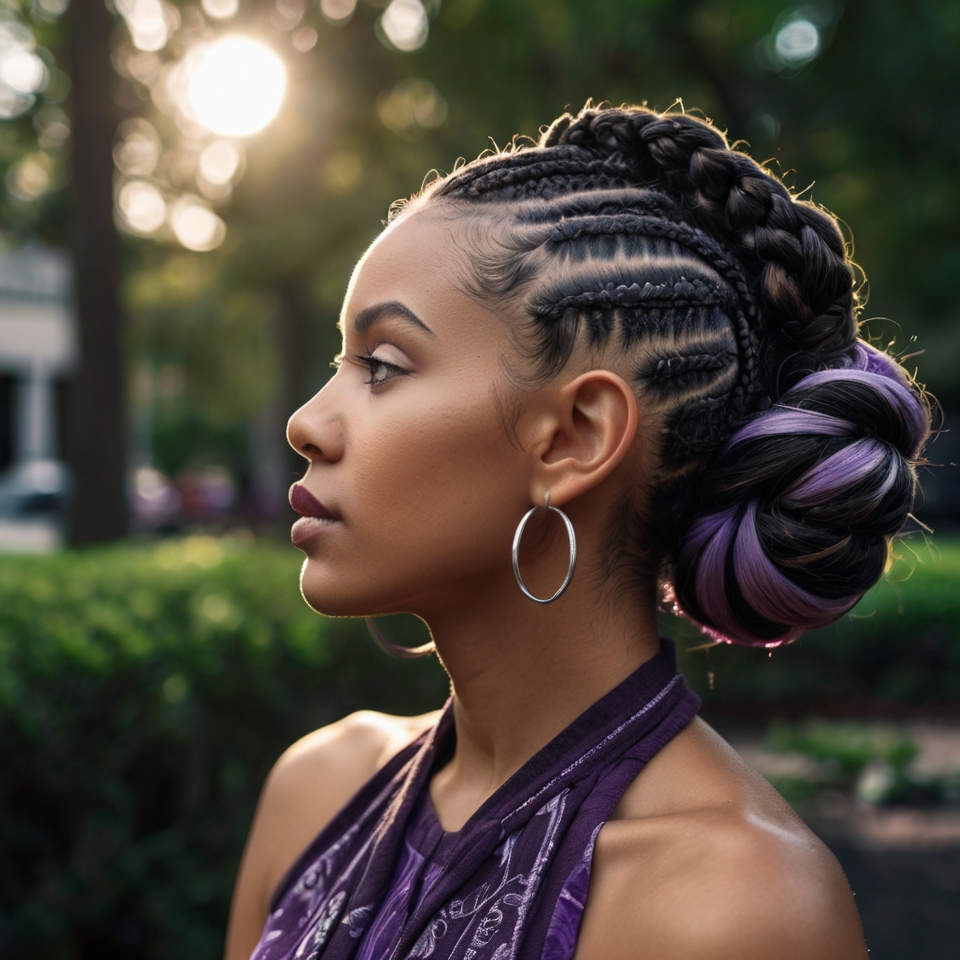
(381, 371)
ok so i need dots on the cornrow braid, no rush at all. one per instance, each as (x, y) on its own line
(804, 279)
(787, 447)
(673, 367)
(747, 324)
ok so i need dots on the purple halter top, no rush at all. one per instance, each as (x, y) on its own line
(384, 881)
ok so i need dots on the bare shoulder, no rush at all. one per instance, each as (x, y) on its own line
(704, 860)
(306, 788)
(322, 770)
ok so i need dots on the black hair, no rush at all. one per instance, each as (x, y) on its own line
(787, 447)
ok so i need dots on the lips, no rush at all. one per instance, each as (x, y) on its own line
(307, 505)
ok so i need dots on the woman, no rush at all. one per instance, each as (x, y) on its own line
(631, 355)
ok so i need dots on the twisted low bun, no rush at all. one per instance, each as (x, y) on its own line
(794, 518)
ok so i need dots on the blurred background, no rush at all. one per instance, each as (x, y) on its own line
(184, 189)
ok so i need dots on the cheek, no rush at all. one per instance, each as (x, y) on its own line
(436, 473)
(434, 499)
(431, 490)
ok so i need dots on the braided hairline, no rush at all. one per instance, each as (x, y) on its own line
(751, 390)
(746, 322)
(629, 295)
(566, 159)
(758, 215)
(691, 237)
(556, 184)
(607, 142)
(502, 177)
(670, 367)
(619, 295)
(569, 208)
(494, 172)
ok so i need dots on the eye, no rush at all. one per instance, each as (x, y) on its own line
(381, 371)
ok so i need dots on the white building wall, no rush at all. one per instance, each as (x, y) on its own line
(38, 347)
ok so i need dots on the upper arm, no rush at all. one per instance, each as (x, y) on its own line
(307, 787)
(746, 892)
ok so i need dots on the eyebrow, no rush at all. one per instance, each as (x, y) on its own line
(367, 317)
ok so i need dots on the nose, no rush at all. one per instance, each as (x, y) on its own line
(315, 431)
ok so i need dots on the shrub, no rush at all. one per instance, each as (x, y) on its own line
(845, 749)
(144, 694)
(899, 647)
(874, 762)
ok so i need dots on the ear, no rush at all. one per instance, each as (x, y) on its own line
(595, 419)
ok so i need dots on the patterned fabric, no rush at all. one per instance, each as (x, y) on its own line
(384, 881)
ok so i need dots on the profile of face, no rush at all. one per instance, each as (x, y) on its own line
(420, 483)
(551, 321)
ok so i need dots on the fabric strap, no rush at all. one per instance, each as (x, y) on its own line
(520, 861)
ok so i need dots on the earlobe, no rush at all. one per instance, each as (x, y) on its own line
(597, 423)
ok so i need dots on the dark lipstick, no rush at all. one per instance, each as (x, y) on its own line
(307, 505)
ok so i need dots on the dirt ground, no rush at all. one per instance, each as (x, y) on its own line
(909, 900)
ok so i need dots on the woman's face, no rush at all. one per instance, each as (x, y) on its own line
(409, 454)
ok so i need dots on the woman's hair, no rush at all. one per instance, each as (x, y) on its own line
(787, 446)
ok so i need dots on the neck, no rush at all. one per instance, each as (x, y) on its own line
(521, 672)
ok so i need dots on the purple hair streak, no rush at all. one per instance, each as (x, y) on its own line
(773, 595)
(804, 525)
(872, 360)
(784, 419)
(851, 465)
(707, 545)
(904, 404)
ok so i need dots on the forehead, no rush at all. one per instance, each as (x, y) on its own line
(419, 261)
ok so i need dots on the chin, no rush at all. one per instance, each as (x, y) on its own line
(319, 596)
(330, 599)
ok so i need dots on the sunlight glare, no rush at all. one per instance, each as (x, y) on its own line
(195, 225)
(137, 150)
(235, 86)
(304, 39)
(798, 42)
(31, 178)
(23, 71)
(150, 22)
(220, 9)
(142, 207)
(50, 10)
(337, 11)
(219, 162)
(411, 103)
(405, 24)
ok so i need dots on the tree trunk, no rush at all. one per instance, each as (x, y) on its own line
(96, 423)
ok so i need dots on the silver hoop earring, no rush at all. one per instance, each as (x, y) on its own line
(571, 536)
(395, 649)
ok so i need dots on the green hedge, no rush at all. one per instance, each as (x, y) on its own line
(145, 692)
(899, 648)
